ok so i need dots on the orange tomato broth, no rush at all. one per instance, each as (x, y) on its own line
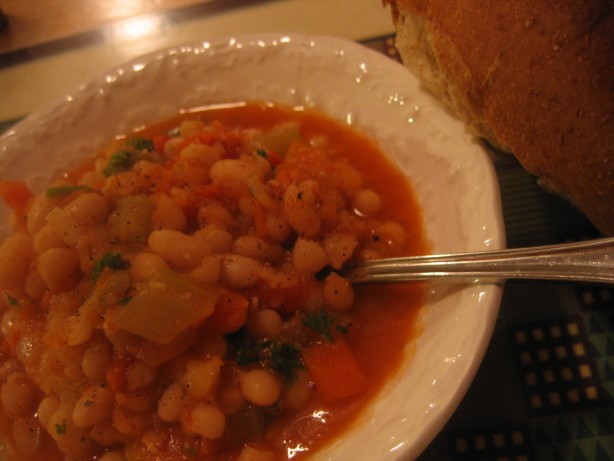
(384, 317)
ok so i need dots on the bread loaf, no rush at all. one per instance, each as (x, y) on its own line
(534, 78)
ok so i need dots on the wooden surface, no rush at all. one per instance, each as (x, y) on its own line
(33, 22)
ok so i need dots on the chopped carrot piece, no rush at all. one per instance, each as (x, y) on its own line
(260, 220)
(116, 378)
(159, 141)
(17, 196)
(334, 369)
(230, 313)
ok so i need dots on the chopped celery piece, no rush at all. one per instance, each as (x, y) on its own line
(169, 303)
(280, 137)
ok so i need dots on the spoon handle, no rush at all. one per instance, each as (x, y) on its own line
(588, 261)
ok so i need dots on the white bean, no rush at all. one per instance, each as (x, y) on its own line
(252, 453)
(177, 248)
(240, 272)
(166, 214)
(145, 264)
(204, 154)
(27, 435)
(338, 292)
(47, 238)
(41, 206)
(215, 212)
(171, 403)
(207, 421)
(300, 205)
(201, 376)
(56, 265)
(218, 238)
(234, 171)
(190, 127)
(94, 406)
(367, 203)
(209, 270)
(112, 456)
(308, 256)
(18, 394)
(96, 359)
(171, 147)
(278, 227)
(88, 209)
(260, 387)
(264, 323)
(139, 375)
(339, 247)
(48, 406)
(70, 438)
(299, 392)
(257, 248)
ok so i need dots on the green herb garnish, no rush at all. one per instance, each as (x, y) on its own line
(120, 161)
(139, 143)
(60, 191)
(246, 350)
(262, 153)
(110, 260)
(285, 358)
(190, 451)
(344, 329)
(124, 301)
(322, 322)
(60, 429)
(281, 357)
(136, 148)
(12, 301)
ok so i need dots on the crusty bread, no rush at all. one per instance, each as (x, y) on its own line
(535, 78)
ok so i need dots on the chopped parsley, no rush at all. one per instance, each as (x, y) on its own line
(110, 260)
(123, 160)
(120, 161)
(60, 429)
(139, 143)
(342, 328)
(190, 451)
(246, 350)
(285, 358)
(262, 153)
(281, 357)
(322, 322)
(12, 301)
(124, 301)
(60, 191)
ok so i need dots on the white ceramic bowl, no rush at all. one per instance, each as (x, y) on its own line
(451, 174)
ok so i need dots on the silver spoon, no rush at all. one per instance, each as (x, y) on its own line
(586, 261)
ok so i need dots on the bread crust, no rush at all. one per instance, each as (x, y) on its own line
(533, 78)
